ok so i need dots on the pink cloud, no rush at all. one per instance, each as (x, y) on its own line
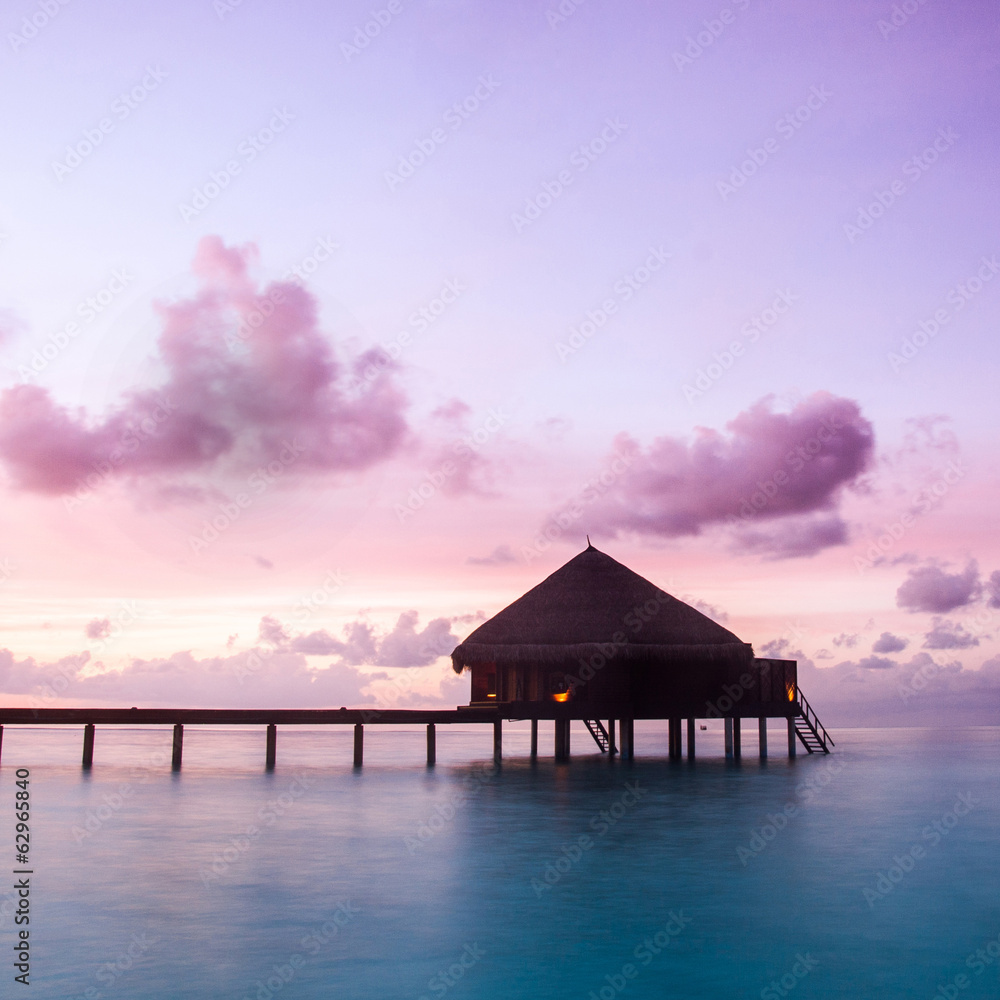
(931, 588)
(251, 380)
(786, 468)
(405, 645)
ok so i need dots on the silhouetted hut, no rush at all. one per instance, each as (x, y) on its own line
(597, 641)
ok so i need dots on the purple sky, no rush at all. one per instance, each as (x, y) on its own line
(327, 332)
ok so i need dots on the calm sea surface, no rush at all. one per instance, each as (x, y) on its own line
(871, 873)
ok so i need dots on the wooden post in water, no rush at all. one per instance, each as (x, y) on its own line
(534, 738)
(497, 741)
(791, 737)
(1, 742)
(690, 739)
(671, 738)
(762, 737)
(175, 760)
(562, 739)
(431, 744)
(271, 751)
(359, 744)
(626, 728)
(729, 736)
(737, 744)
(88, 744)
(612, 748)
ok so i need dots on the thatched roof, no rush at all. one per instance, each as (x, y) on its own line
(594, 604)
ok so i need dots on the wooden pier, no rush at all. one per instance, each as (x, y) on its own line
(803, 727)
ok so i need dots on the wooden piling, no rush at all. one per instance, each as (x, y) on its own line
(271, 751)
(562, 739)
(737, 739)
(1, 742)
(359, 744)
(612, 748)
(431, 744)
(534, 738)
(497, 741)
(762, 736)
(178, 748)
(88, 744)
(729, 736)
(627, 738)
(690, 746)
(791, 738)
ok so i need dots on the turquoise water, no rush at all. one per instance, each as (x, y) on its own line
(597, 878)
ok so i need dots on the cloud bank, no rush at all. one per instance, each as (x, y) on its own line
(776, 478)
(250, 380)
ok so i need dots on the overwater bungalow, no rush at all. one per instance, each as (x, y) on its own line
(597, 642)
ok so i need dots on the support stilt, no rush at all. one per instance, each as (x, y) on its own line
(627, 738)
(534, 738)
(690, 739)
(1, 742)
(762, 737)
(88, 744)
(737, 740)
(729, 736)
(497, 741)
(431, 744)
(359, 744)
(612, 747)
(791, 737)
(271, 751)
(562, 739)
(178, 748)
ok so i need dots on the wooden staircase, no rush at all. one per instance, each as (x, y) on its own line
(600, 734)
(809, 729)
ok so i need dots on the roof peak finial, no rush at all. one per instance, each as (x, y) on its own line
(589, 544)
